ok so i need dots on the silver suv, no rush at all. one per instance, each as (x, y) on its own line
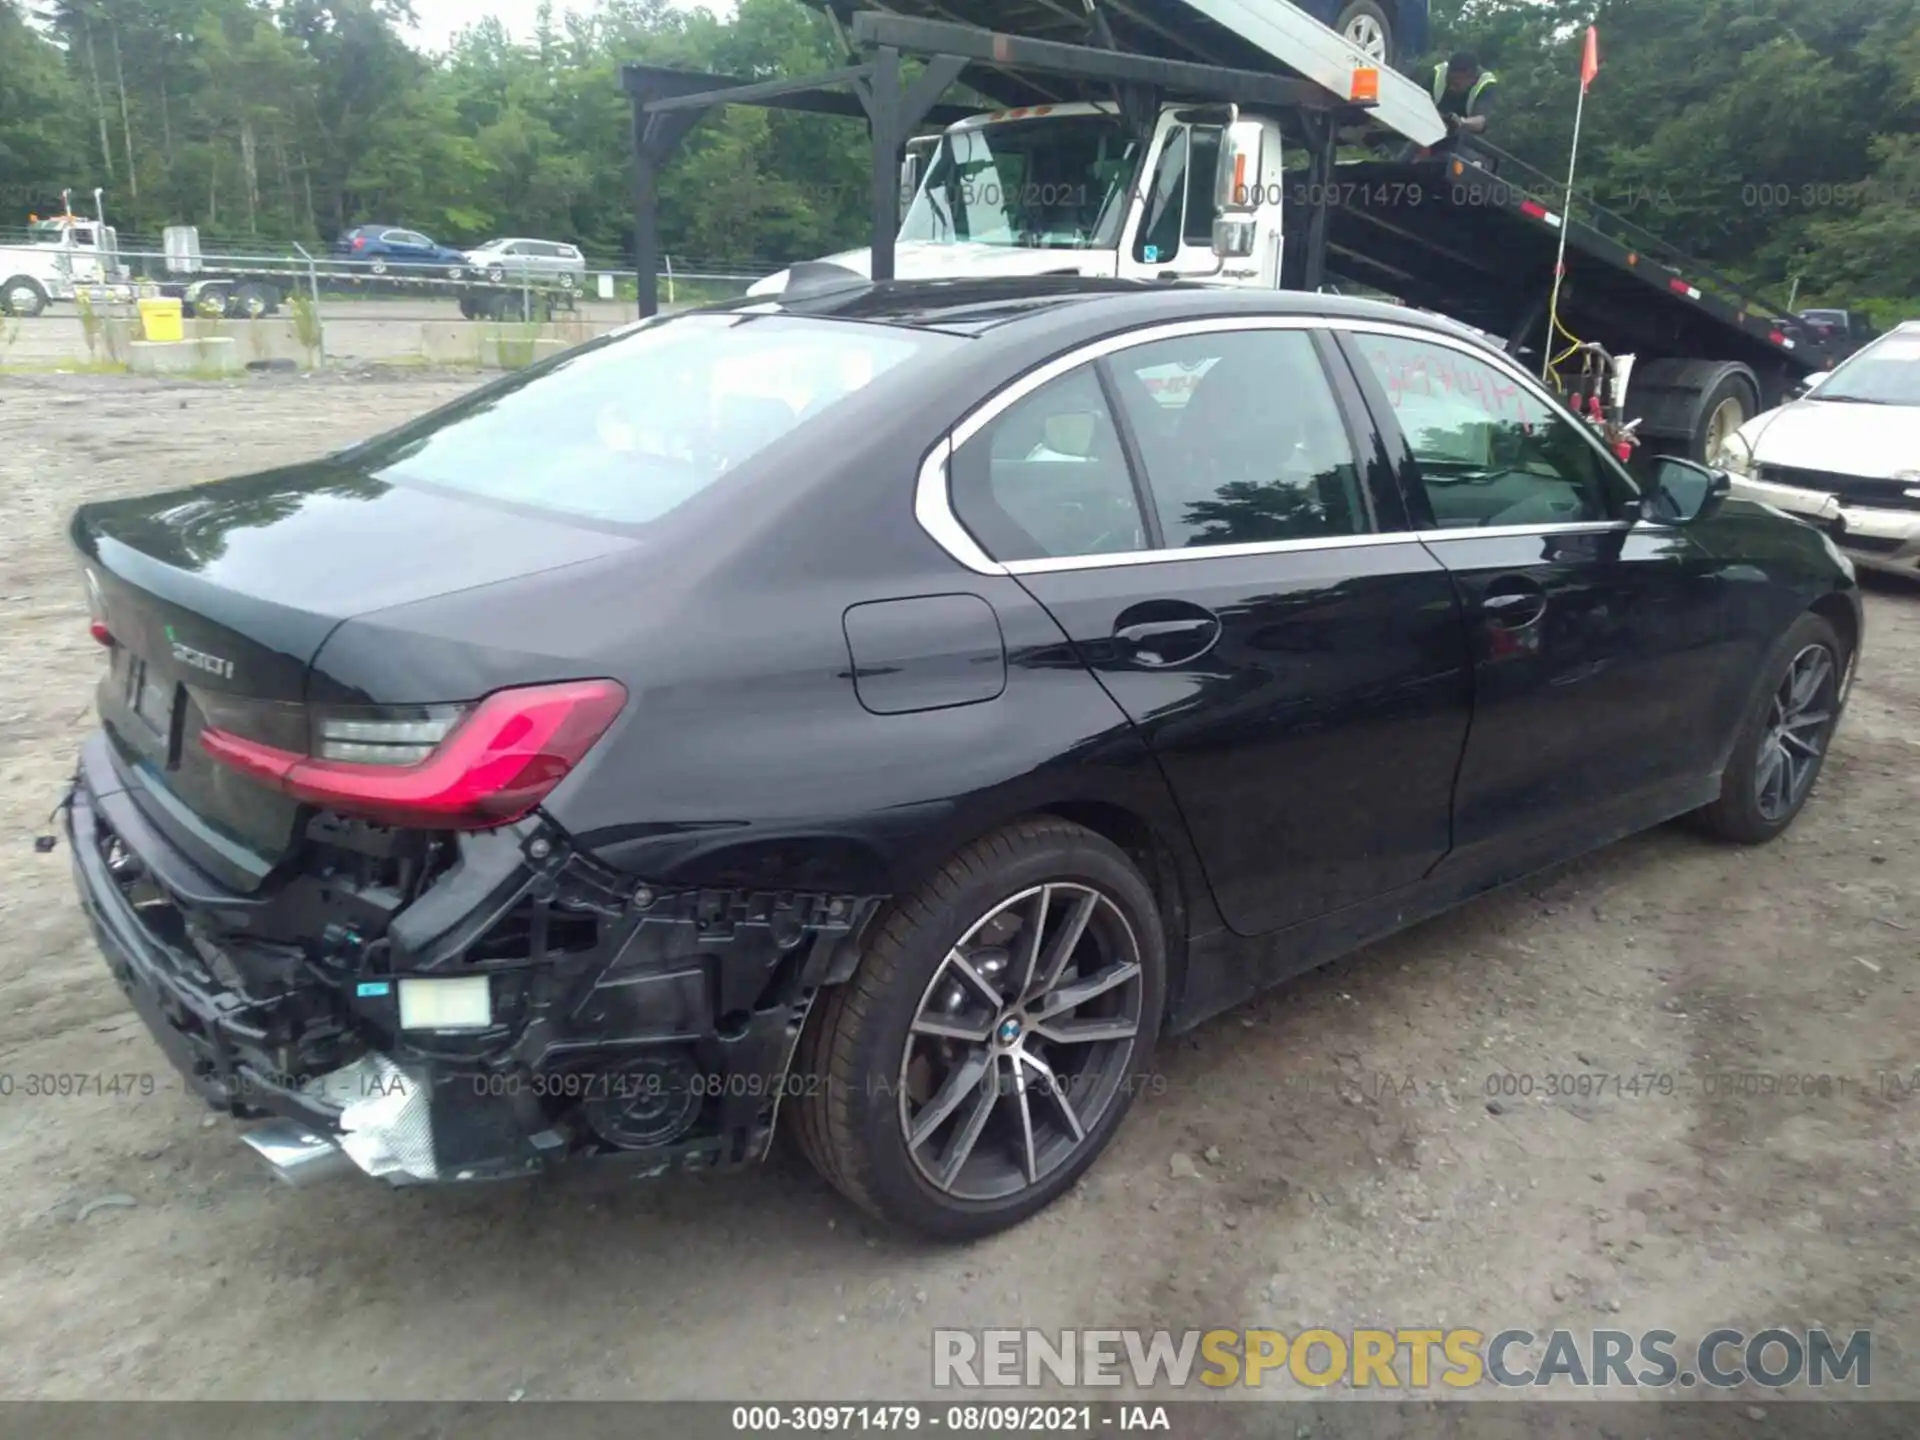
(515, 259)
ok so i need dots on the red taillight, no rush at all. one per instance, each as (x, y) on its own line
(98, 629)
(495, 766)
(359, 241)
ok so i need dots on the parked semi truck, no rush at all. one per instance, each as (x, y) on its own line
(1154, 140)
(63, 255)
(67, 256)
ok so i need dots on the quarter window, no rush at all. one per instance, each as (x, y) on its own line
(1241, 437)
(1489, 450)
(1048, 477)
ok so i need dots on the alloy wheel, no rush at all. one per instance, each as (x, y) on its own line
(1021, 1041)
(1365, 33)
(1799, 722)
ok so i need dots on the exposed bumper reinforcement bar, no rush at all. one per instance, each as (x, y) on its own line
(298, 1156)
(1878, 538)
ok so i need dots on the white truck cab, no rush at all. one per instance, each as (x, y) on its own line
(64, 254)
(1062, 190)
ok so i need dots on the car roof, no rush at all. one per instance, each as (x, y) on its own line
(977, 306)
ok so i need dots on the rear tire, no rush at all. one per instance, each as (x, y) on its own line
(1783, 741)
(1685, 406)
(253, 301)
(1043, 1073)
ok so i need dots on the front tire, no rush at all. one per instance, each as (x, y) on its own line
(988, 1045)
(1783, 741)
(22, 296)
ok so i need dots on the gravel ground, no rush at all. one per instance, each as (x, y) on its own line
(1325, 1156)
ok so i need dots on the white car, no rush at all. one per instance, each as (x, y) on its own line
(513, 259)
(1846, 454)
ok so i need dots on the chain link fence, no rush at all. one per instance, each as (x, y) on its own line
(63, 307)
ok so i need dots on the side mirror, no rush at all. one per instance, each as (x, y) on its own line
(1237, 184)
(1681, 491)
(1237, 189)
(1807, 384)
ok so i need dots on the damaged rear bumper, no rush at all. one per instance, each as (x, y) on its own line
(628, 1023)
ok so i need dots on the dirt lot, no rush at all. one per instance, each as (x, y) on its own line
(1327, 1156)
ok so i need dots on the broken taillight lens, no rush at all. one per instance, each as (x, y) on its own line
(97, 609)
(437, 767)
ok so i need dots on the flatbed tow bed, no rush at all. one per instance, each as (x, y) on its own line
(1474, 237)
(252, 287)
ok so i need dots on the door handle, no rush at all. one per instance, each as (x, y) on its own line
(1160, 629)
(1162, 633)
(1513, 601)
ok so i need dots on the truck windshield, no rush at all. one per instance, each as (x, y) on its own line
(1053, 184)
(1883, 374)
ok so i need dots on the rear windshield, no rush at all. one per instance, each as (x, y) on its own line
(626, 428)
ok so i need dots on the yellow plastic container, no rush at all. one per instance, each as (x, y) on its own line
(160, 319)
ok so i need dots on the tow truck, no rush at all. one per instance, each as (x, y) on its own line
(1242, 142)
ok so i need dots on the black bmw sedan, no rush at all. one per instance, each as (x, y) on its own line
(889, 710)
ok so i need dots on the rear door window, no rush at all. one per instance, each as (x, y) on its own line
(1242, 439)
(626, 428)
(1048, 477)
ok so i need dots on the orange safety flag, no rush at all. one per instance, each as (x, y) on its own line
(1590, 62)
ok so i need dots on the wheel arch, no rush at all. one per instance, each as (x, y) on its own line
(1152, 844)
(1141, 842)
(1839, 612)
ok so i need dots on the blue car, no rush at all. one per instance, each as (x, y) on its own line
(381, 247)
(1391, 32)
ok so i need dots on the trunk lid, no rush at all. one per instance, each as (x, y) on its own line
(218, 598)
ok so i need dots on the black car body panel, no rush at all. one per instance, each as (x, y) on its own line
(823, 703)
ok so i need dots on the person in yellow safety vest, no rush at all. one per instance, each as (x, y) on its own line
(1463, 93)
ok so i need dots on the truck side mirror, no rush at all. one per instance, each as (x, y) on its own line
(909, 178)
(1236, 175)
(1237, 189)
